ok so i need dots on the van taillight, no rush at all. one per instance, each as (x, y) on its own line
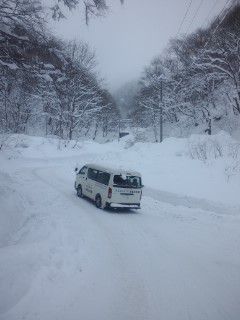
(109, 193)
(141, 195)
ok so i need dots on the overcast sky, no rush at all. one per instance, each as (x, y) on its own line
(129, 36)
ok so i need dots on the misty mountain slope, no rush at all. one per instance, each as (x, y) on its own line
(66, 259)
(125, 98)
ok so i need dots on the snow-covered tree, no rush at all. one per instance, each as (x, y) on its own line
(155, 97)
(203, 72)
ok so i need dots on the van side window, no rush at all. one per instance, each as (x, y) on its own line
(83, 170)
(103, 177)
(92, 174)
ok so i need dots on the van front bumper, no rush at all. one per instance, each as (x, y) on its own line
(124, 205)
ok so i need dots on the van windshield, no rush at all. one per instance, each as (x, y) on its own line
(127, 181)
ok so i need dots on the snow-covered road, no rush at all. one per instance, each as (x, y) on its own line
(69, 260)
(61, 258)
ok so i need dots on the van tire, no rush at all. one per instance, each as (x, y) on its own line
(98, 201)
(79, 191)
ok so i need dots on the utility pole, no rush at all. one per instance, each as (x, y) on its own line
(119, 129)
(161, 111)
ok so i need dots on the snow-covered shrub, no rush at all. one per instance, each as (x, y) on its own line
(221, 145)
(4, 139)
(10, 141)
(232, 169)
(204, 147)
(234, 150)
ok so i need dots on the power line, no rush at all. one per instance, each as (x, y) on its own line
(195, 15)
(224, 7)
(221, 20)
(184, 17)
(210, 11)
(214, 31)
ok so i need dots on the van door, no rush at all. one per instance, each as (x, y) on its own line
(81, 178)
(101, 184)
(90, 183)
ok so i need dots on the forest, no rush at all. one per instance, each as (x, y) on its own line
(48, 86)
(51, 87)
(194, 85)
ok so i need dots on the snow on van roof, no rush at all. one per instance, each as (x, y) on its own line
(113, 170)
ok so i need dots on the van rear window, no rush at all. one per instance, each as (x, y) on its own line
(127, 181)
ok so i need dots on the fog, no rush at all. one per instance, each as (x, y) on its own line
(129, 36)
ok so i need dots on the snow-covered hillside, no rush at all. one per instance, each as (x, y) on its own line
(176, 258)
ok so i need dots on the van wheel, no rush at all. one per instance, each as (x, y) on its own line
(79, 191)
(98, 201)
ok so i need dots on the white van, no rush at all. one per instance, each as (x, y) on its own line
(109, 188)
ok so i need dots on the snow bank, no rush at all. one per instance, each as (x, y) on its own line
(212, 147)
(23, 146)
(202, 166)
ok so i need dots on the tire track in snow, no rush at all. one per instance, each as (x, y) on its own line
(131, 295)
(147, 264)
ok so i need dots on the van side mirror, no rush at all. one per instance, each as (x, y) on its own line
(142, 185)
(76, 170)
